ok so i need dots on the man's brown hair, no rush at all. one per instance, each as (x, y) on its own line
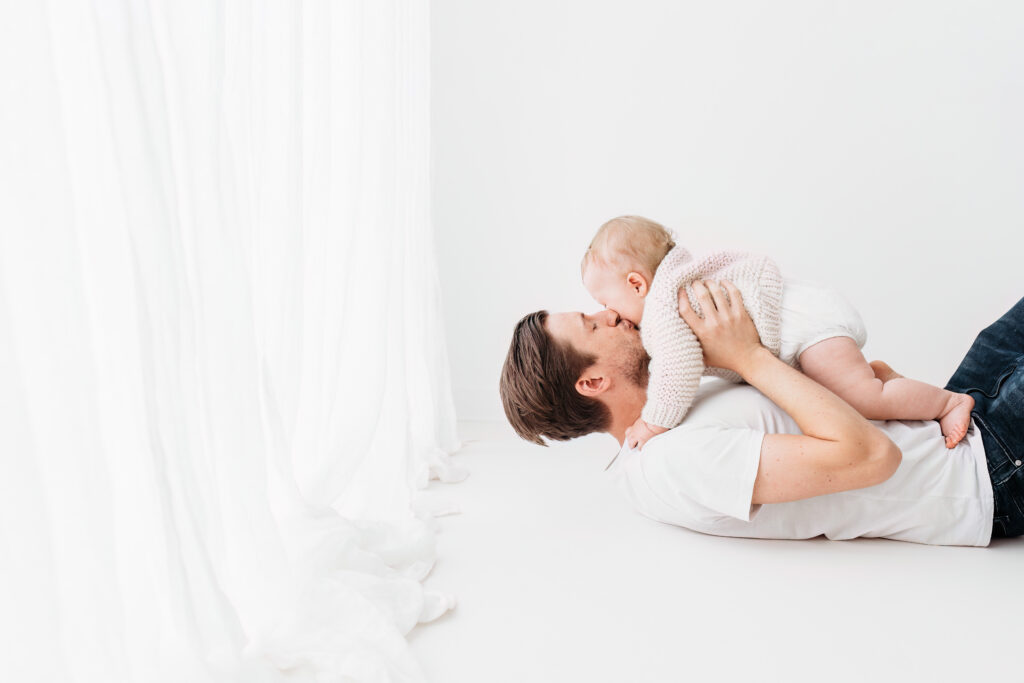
(538, 386)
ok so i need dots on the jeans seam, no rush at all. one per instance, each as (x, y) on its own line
(1002, 446)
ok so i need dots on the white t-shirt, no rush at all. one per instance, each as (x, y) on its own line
(701, 475)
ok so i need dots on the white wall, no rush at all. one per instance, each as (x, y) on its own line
(874, 146)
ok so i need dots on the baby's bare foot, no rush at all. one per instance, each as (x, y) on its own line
(956, 418)
(883, 371)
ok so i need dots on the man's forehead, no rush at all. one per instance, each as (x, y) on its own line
(565, 326)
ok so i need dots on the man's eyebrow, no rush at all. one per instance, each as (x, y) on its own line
(583, 321)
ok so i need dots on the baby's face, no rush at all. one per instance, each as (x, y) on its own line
(611, 290)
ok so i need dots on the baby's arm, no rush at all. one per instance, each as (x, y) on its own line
(640, 433)
(677, 363)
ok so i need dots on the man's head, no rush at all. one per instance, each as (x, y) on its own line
(569, 374)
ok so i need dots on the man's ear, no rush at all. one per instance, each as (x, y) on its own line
(592, 386)
(637, 282)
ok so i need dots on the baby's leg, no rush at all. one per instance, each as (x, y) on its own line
(878, 393)
(883, 371)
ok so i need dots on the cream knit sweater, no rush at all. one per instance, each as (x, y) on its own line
(677, 361)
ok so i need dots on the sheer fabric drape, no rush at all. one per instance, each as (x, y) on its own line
(222, 371)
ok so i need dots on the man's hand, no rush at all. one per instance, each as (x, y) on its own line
(640, 432)
(725, 330)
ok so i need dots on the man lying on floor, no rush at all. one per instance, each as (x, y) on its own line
(782, 457)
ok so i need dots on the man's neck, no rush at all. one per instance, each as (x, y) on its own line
(625, 408)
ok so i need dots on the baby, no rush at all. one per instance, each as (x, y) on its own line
(633, 267)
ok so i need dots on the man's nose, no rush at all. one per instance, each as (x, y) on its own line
(611, 318)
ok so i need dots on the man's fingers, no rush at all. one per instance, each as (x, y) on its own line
(735, 297)
(711, 298)
(685, 310)
(700, 290)
(718, 296)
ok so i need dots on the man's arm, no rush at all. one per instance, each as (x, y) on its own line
(839, 450)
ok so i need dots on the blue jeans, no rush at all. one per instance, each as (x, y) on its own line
(992, 372)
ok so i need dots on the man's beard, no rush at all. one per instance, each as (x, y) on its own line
(634, 366)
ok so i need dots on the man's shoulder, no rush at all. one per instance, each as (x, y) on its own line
(721, 411)
(727, 404)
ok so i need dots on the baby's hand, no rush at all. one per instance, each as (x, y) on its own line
(640, 432)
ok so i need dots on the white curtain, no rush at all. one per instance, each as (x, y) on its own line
(222, 371)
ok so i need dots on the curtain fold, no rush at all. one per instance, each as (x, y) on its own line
(222, 360)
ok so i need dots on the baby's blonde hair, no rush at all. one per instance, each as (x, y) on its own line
(629, 243)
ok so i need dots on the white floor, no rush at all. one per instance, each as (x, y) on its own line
(558, 579)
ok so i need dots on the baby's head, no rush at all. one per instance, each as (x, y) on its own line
(620, 263)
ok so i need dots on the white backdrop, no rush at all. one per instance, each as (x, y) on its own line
(873, 146)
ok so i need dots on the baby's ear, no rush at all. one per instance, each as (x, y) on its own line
(637, 283)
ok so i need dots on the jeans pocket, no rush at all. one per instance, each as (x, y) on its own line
(1001, 378)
